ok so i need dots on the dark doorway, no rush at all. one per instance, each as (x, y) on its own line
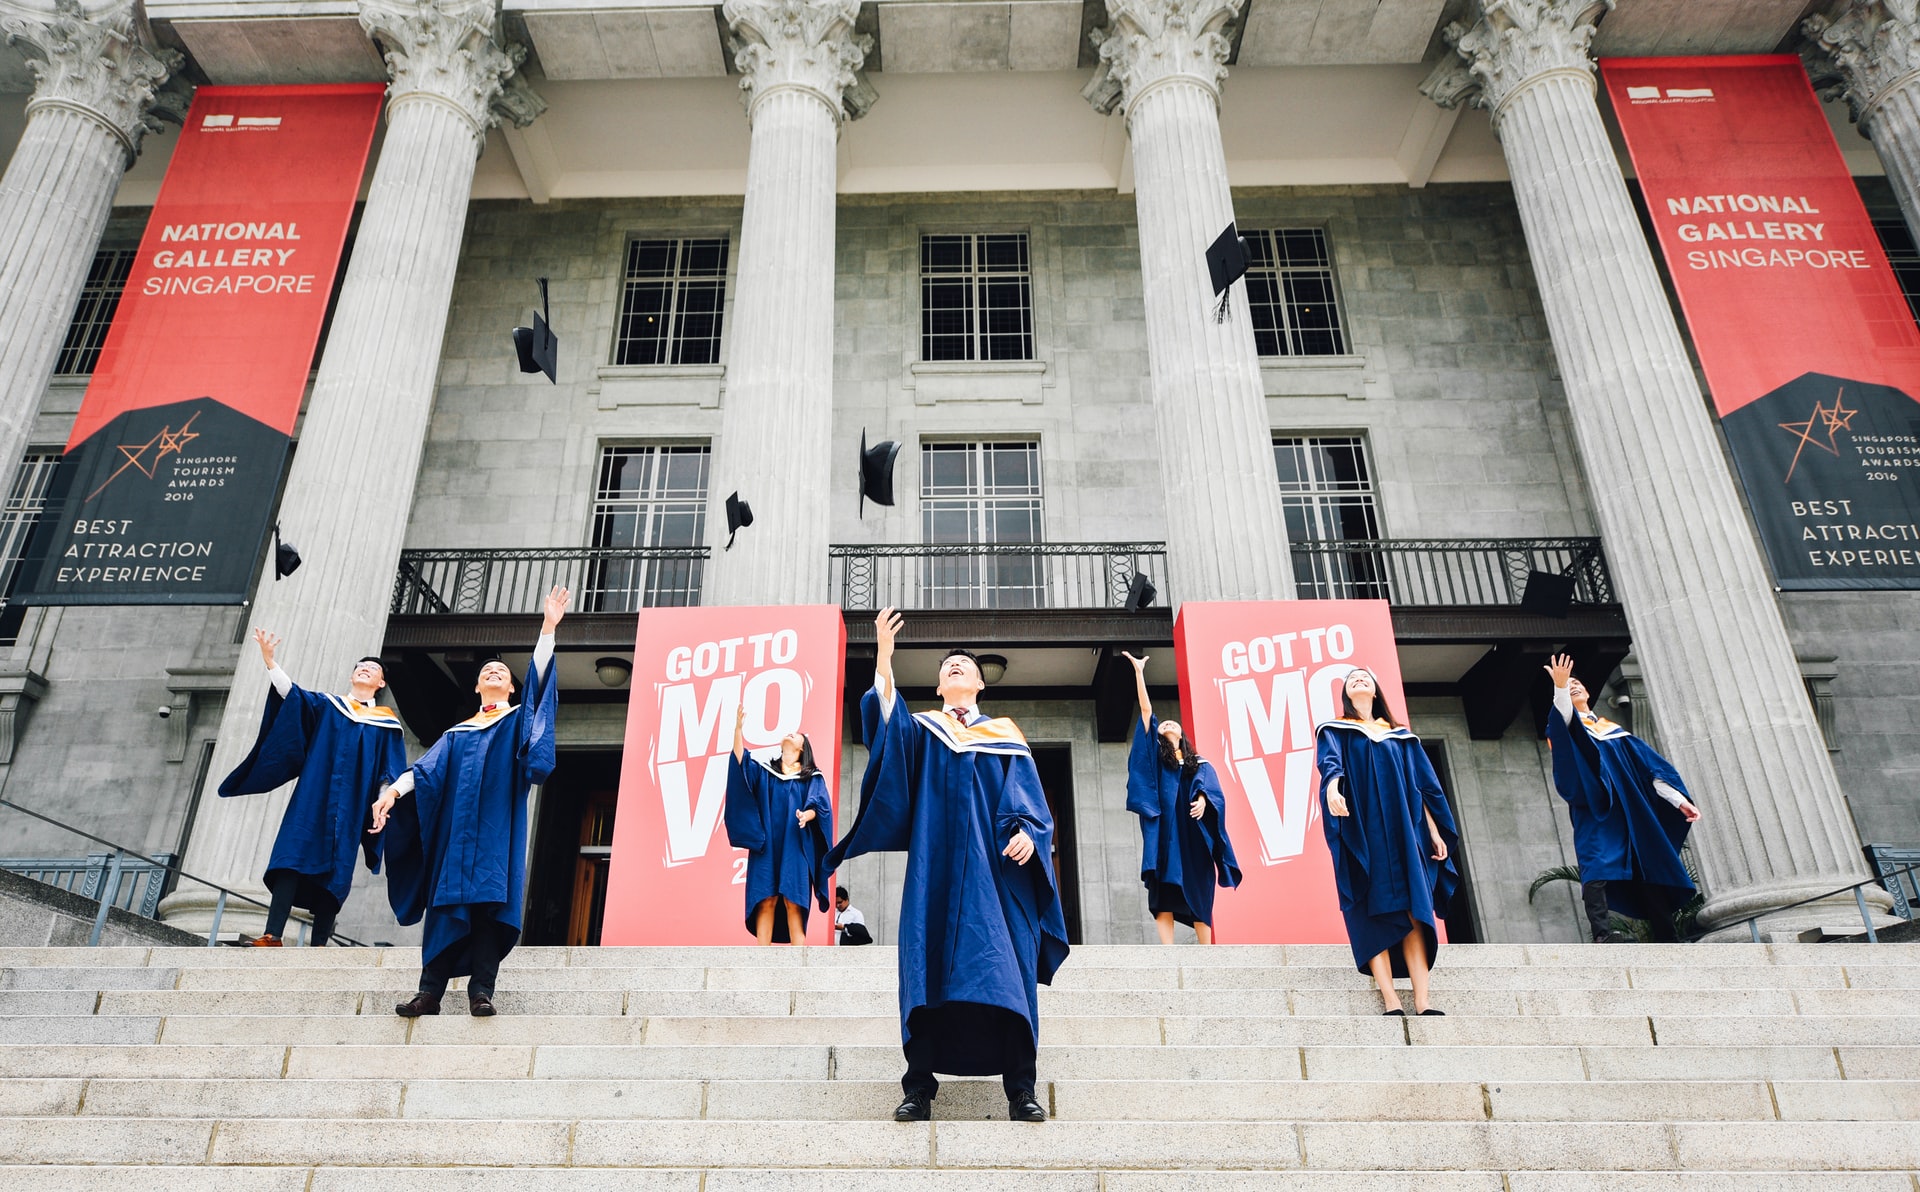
(572, 845)
(1461, 919)
(1055, 763)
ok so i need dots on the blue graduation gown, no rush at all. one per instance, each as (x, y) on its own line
(1623, 832)
(1181, 858)
(782, 857)
(1382, 854)
(458, 843)
(338, 754)
(977, 932)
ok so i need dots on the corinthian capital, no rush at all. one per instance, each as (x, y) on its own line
(1508, 44)
(96, 67)
(802, 45)
(447, 51)
(1148, 42)
(1866, 50)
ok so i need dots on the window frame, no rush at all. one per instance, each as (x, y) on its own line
(1358, 574)
(85, 322)
(978, 336)
(617, 586)
(20, 512)
(677, 283)
(1284, 330)
(983, 580)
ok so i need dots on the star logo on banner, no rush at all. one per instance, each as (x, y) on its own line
(1827, 421)
(167, 442)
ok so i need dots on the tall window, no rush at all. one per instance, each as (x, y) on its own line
(26, 499)
(648, 497)
(1897, 240)
(99, 298)
(976, 297)
(671, 305)
(1290, 287)
(981, 492)
(1326, 489)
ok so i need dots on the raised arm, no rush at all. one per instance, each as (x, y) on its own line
(886, 627)
(1560, 669)
(554, 608)
(1140, 688)
(740, 734)
(268, 643)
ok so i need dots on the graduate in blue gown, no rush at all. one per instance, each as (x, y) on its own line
(457, 847)
(1630, 814)
(1184, 850)
(980, 919)
(1392, 839)
(338, 751)
(778, 809)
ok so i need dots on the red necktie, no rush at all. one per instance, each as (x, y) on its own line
(959, 715)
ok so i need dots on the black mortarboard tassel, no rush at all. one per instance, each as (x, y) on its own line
(739, 514)
(538, 346)
(1227, 259)
(286, 560)
(876, 472)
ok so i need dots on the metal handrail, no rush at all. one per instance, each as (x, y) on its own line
(1859, 897)
(110, 889)
(993, 575)
(1447, 571)
(514, 580)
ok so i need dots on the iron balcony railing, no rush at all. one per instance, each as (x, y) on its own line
(1446, 571)
(603, 579)
(981, 575)
(129, 881)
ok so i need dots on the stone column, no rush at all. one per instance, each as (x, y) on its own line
(799, 61)
(94, 83)
(350, 491)
(1870, 49)
(1733, 713)
(1162, 62)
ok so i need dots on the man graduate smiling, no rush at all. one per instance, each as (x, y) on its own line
(458, 850)
(980, 920)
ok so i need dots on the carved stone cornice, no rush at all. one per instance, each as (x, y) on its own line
(448, 52)
(1508, 45)
(96, 67)
(1150, 42)
(801, 45)
(1864, 50)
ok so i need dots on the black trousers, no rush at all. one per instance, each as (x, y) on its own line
(482, 949)
(1017, 1077)
(1594, 895)
(286, 886)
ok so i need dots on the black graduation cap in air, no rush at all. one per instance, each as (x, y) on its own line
(1227, 259)
(538, 346)
(1547, 594)
(739, 514)
(876, 472)
(286, 560)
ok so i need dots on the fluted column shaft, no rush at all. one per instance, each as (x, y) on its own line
(799, 62)
(777, 422)
(1868, 53)
(84, 126)
(1895, 133)
(1226, 531)
(1734, 716)
(366, 420)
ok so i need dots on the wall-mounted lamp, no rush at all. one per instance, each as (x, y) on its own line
(614, 672)
(993, 668)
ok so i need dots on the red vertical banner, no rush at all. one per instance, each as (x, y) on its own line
(675, 879)
(167, 485)
(1809, 346)
(1255, 679)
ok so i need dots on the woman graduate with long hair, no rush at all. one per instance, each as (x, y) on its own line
(778, 810)
(1391, 835)
(1184, 850)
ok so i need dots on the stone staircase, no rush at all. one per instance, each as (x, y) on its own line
(1559, 1067)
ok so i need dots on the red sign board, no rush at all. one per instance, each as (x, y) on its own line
(1255, 679)
(1809, 345)
(675, 879)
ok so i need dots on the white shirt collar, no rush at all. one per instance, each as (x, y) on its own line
(967, 713)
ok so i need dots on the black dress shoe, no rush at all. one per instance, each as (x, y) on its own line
(480, 1005)
(1430, 1012)
(1022, 1107)
(918, 1107)
(422, 1005)
(1393, 1013)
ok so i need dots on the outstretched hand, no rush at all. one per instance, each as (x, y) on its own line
(555, 607)
(1019, 849)
(268, 644)
(1689, 812)
(1560, 667)
(1139, 664)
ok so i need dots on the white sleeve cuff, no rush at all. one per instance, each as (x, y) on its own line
(404, 784)
(281, 680)
(1563, 703)
(543, 653)
(884, 690)
(1666, 791)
